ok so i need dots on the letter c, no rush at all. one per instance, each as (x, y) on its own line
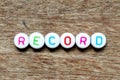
(50, 40)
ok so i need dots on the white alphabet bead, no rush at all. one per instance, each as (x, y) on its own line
(36, 40)
(21, 40)
(98, 40)
(52, 40)
(67, 40)
(82, 40)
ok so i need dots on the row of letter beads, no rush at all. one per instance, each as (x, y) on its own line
(52, 40)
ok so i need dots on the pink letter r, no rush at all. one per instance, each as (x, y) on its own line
(83, 39)
(21, 40)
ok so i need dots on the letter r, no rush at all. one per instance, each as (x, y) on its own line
(21, 40)
(83, 39)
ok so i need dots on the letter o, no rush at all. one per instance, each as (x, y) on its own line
(67, 40)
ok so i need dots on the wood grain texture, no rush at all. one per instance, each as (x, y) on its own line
(60, 16)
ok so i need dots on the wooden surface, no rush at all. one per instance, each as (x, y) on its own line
(60, 16)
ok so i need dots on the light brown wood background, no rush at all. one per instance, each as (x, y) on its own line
(59, 16)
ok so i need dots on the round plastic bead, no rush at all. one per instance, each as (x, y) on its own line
(36, 40)
(98, 40)
(82, 40)
(52, 40)
(67, 40)
(21, 40)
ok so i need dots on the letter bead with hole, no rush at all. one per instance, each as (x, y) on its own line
(52, 40)
(36, 40)
(98, 40)
(67, 40)
(21, 40)
(82, 40)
